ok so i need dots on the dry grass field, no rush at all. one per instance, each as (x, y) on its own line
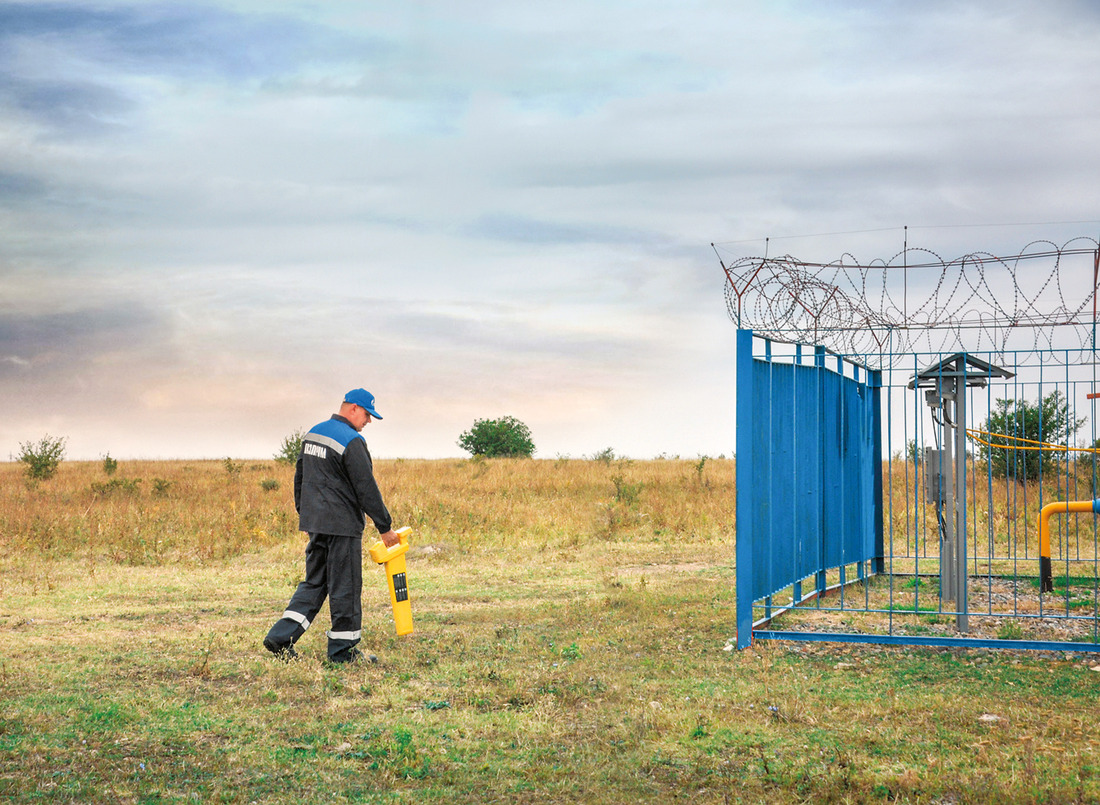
(572, 625)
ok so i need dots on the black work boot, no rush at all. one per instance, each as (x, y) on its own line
(348, 655)
(285, 653)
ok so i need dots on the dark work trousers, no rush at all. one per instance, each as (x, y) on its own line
(334, 568)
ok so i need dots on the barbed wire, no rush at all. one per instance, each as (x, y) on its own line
(919, 302)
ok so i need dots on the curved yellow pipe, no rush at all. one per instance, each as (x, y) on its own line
(1046, 575)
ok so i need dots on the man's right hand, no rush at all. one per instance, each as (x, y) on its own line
(391, 538)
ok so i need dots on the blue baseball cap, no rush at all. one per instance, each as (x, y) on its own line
(364, 399)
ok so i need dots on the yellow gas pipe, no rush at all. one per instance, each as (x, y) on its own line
(1046, 575)
(394, 559)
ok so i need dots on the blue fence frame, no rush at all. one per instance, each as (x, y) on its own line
(809, 474)
(815, 495)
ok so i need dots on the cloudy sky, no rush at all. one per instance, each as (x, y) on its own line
(216, 218)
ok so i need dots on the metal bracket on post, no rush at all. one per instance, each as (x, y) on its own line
(946, 383)
(941, 399)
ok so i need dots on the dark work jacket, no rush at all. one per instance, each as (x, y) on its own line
(334, 482)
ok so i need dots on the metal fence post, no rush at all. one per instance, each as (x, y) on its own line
(745, 489)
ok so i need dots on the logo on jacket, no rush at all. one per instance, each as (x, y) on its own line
(311, 449)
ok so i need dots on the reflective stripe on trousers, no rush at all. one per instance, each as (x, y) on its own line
(345, 635)
(290, 614)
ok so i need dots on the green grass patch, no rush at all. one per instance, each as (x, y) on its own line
(1064, 582)
(550, 663)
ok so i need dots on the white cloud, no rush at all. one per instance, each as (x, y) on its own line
(481, 208)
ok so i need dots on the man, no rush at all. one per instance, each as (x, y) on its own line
(333, 486)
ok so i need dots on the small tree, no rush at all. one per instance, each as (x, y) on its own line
(291, 447)
(1047, 421)
(41, 458)
(504, 437)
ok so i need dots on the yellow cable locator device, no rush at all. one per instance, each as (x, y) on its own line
(394, 560)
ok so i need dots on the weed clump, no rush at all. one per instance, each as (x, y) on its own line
(605, 456)
(124, 486)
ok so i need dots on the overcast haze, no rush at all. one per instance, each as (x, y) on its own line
(216, 218)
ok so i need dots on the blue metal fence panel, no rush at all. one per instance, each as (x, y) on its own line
(808, 452)
(834, 501)
(809, 474)
(778, 442)
(763, 492)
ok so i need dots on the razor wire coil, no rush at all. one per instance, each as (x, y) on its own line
(1033, 301)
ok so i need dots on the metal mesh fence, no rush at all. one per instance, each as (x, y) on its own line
(989, 522)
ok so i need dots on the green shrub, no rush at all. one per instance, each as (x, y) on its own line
(605, 456)
(110, 466)
(625, 493)
(269, 484)
(291, 447)
(42, 458)
(699, 465)
(496, 438)
(1013, 420)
